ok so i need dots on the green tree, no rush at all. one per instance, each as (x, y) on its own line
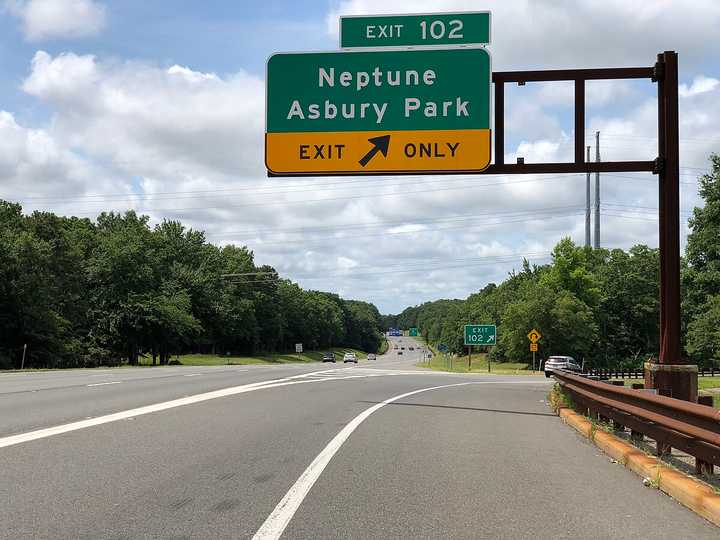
(703, 339)
(701, 277)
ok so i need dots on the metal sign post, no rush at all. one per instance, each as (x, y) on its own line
(534, 336)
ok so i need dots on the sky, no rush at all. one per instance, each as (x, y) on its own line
(159, 107)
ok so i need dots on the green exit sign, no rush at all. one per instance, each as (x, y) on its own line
(413, 332)
(418, 30)
(480, 334)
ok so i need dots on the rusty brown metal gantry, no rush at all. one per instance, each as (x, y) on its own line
(669, 375)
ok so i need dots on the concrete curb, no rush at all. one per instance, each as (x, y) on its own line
(692, 493)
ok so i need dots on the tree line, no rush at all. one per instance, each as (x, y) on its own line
(597, 305)
(78, 293)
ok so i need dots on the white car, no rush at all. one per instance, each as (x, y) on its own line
(350, 357)
(561, 362)
(371, 356)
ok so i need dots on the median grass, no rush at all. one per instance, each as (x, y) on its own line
(706, 386)
(479, 364)
(710, 386)
(272, 359)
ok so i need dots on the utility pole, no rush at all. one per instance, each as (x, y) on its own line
(587, 203)
(597, 192)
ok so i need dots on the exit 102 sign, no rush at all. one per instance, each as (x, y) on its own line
(480, 334)
(417, 30)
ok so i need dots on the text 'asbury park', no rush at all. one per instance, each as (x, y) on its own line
(409, 106)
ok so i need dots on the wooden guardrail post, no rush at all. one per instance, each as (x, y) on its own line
(617, 426)
(636, 435)
(703, 467)
(662, 449)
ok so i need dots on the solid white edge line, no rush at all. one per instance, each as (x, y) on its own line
(12, 440)
(104, 383)
(139, 411)
(280, 517)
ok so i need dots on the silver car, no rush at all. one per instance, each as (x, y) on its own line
(561, 362)
(350, 357)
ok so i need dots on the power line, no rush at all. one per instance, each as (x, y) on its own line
(628, 136)
(425, 268)
(456, 264)
(644, 178)
(322, 240)
(331, 199)
(367, 182)
(355, 226)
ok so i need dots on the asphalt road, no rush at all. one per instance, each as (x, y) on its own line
(309, 451)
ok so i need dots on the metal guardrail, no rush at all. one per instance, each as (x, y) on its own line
(690, 427)
(640, 374)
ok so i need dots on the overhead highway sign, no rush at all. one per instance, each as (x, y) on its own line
(378, 112)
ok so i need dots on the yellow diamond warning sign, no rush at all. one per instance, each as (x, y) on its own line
(534, 336)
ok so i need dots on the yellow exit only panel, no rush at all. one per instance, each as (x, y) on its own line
(378, 151)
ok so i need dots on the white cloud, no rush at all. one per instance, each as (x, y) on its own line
(182, 142)
(700, 85)
(55, 19)
(583, 33)
(157, 123)
(597, 93)
(346, 263)
(35, 167)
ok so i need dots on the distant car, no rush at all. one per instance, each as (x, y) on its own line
(395, 347)
(411, 348)
(561, 362)
(371, 356)
(403, 348)
(400, 352)
(350, 357)
(328, 357)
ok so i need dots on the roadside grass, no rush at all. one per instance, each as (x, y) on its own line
(704, 383)
(272, 359)
(384, 346)
(557, 398)
(479, 365)
(706, 386)
(710, 386)
(708, 382)
(217, 360)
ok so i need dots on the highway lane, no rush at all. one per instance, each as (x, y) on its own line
(34, 400)
(483, 460)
